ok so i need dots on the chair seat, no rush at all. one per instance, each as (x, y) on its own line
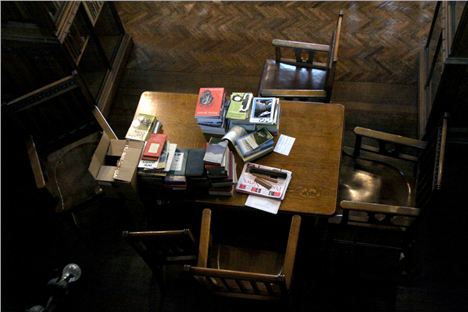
(374, 182)
(235, 258)
(284, 76)
(369, 181)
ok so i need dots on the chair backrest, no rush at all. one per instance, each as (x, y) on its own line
(163, 247)
(240, 284)
(333, 55)
(305, 54)
(248, 283)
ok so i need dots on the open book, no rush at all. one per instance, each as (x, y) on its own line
(250, 146)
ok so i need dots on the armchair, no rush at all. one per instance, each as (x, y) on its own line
(302, 77)
(380, 205)
(244, 273)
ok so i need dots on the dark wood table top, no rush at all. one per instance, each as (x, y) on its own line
(314, 159)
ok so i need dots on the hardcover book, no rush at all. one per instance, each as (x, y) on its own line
(154, 146)
(195, 167)
(210, 102)
(239, 106)
(141, 127)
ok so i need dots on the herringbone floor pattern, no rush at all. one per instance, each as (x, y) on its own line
(380, 41)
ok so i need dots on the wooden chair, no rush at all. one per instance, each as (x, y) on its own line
(302, 77)
(160, 248)
(244, 273)
(379, 204)
(61, 127)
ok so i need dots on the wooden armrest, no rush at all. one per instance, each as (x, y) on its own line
(393, 138)
(222, 273)
(152, 234)
(35, 163)
(204, 242)
(300, 45)
(294, 93)
(294, 62)
(290, 256)
(379, 208)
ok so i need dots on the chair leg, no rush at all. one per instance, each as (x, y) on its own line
(357, 146)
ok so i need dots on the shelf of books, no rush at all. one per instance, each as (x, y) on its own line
(238, 127)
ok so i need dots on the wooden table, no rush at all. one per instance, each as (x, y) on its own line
(314, 158)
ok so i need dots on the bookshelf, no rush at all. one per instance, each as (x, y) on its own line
(44, 41)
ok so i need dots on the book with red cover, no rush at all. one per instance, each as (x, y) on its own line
(210, 102)
(154, 146)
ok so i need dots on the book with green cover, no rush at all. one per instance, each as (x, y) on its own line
(239, 107)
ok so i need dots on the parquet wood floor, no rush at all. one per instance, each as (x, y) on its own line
(380, 40)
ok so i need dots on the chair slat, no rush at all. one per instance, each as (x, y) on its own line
(269, 288)
(254, 287)
(241, 286)
(225, 284)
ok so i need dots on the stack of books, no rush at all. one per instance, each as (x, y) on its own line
(175, 178)
(220, 168)
(197, 181)
(211, 111)
(177, 169)
(265, 113)
(154, 172)
(238, 113)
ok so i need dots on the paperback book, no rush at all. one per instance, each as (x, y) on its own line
(263, 110)
(141, 127)
(250, 146)
(215, 151)
(210, 102)
(254, 142)
(239, 106)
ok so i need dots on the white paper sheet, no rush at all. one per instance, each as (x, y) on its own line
(263, 203)
(284, 144)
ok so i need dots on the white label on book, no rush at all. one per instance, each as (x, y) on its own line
(284, 145)
(148, 164)
(153, 148)
(177, 162)
(266, 204)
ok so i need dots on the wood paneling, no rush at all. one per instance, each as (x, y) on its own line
(380, 40)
